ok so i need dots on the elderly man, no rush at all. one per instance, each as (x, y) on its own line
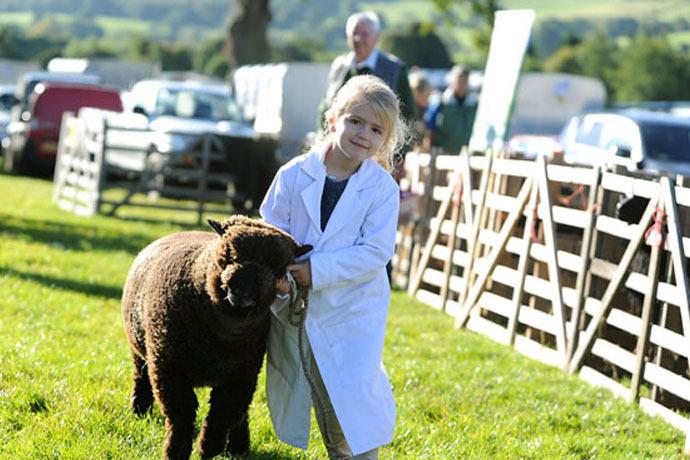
(450, 119)
(363, 32)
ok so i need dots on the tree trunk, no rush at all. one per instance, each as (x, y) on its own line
(246, 33)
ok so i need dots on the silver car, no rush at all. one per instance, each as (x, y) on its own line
(637, 140)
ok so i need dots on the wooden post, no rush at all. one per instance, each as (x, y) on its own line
(552, 259)
(519, 288)
(586, 258)
(101, 163)
(643, 338)
(459, 180)
(477, 216)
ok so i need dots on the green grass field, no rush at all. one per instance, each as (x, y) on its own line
(65, 370)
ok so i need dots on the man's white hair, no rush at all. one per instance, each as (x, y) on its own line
(366, 16)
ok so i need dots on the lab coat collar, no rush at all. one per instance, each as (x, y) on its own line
(314, 167)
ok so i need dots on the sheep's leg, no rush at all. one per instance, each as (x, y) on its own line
(178, 403)
(141, 398)
(238, 433)
(227, 427)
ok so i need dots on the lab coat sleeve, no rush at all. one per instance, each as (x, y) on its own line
(275, 208)
(372, 250)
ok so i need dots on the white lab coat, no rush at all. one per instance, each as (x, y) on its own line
(348, 301)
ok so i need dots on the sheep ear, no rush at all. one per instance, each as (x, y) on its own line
(217, 226)
(303, 249)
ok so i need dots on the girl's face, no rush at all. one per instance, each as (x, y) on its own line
(358, 134)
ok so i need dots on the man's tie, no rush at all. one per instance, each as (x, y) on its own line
(364, 71)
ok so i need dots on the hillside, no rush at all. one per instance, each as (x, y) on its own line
(321, 22)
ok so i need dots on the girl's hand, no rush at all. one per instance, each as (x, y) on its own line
(301, 272)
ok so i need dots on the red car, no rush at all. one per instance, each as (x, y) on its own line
(33, 140)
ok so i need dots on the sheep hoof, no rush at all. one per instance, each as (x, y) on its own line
(140, 405)
(238, 440)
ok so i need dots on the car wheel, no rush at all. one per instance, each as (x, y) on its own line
(16, 161)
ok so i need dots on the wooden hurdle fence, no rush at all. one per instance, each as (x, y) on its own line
(84, 171)
(533, 255)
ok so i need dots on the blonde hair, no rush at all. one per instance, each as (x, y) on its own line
(371, 90)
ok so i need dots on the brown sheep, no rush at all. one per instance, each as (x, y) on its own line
(196, 312)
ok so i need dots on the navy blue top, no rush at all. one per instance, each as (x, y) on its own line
(332, 190)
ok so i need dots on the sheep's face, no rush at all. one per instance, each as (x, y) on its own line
(247, 285)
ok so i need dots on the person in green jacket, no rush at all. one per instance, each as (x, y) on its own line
(450, 119)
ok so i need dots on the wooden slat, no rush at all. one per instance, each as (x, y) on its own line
(603, 268)
(515, 245)
(519, 168)
(494, 303)
(566, 260)
(537, 286)
(460, 258)
(452, 308)
(569, 296)
(598, 379)
(674, 419)
(446, 225)
(433, 276)
(669, 293)
(667, 380)
(476, 196)
(614, 227)
(464, 231)
(669, 340)
(570, 174)
(572, 217)
(537, 319)
(614, 354)
(537, 351)
(488, 328)
(487, 237)
(592, 306)
(439, 192)
(429, 298)
(637, 282)
(629, 185)
(683, 196)
(456, 284)
(500, 202)
(478, 162)
(505, 275)
(624, 321)
(440, 252)
(447, 162)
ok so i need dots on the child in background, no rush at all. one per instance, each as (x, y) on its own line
(340, 198)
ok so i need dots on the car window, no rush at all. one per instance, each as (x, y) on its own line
(6, 102)
(666, 142)
(588, 132)
(196, 104)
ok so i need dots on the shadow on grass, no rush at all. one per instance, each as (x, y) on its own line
(71, 236)
(152, 220)
(267, 456)
(93, 289)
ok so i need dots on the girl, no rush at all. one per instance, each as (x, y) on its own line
(339, 198)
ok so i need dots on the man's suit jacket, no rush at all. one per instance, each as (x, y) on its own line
(389, 68)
